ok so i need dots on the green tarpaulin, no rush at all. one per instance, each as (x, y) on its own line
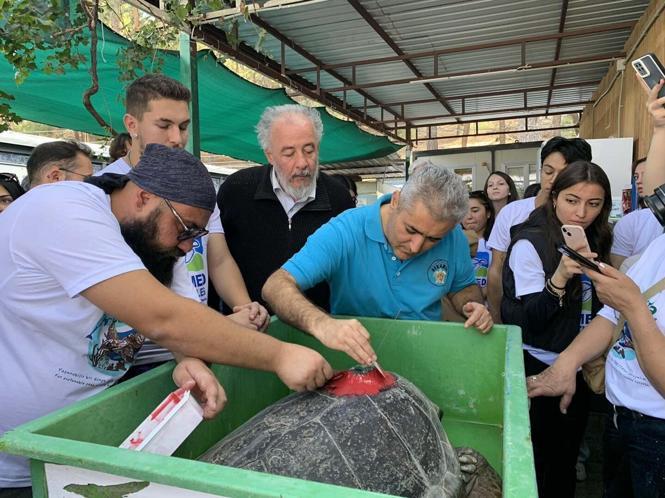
(229, 106)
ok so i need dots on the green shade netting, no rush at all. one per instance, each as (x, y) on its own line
(229, 106)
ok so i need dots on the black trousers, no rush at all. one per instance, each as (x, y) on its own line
(15, 492)
(556, 437)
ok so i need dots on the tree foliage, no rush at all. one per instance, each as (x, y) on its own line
(61, 27)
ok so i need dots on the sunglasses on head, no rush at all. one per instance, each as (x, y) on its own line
(9, 177)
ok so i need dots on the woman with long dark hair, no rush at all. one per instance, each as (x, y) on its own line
(500, 189)
(10, 190)
(479, 219)
(548, 296)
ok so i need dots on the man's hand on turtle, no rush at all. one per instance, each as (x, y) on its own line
(348, 336)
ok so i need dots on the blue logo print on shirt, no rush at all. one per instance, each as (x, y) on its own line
(438, 272)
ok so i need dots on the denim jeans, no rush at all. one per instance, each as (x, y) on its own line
(634, 453)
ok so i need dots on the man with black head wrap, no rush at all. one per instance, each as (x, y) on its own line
(76, 260)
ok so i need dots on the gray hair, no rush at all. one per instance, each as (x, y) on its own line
(443, 192)
(272, 114)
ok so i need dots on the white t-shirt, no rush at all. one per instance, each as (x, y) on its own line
(625, 382)
(634, 232)
(190, 273)
(529, 277)
(56, 346)
(512, 214)
(481, 262)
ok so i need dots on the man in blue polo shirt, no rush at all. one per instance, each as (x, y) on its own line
(397, 259)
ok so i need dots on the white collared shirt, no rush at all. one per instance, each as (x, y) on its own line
(290, 206)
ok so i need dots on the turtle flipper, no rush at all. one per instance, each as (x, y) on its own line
(480, 479)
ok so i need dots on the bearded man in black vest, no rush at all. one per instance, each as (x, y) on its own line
(269, 211)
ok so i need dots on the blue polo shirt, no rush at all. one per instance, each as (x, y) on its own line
(351, 253)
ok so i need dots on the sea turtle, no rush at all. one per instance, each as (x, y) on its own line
(363, 429)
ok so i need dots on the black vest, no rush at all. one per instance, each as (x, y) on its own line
(553, 328)
(258, 231)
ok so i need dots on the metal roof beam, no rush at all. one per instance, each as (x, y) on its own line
(580, 103)
(521, 116)
(577, 61)
(557, 50)
(367, 169)
(395, 48)
(480, 46)
(495, 94)
(304, 53)
(496, 133)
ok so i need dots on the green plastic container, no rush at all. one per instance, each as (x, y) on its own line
(478, 381)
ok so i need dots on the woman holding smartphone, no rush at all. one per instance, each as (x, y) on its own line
(546, 294)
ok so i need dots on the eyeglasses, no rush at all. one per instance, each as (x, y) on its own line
(188, 232)
(75, 173)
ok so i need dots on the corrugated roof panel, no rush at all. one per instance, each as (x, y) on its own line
(598, 44)
(536, 99)
(401, 93)
(485, 104)
(491, 83)
(591, 72)
(334, 32)
(417, 24)
(585, 13)
(571, 95)
(415, 110)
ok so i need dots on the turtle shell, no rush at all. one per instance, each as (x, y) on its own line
(390, 442)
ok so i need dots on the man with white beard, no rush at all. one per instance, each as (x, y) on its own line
(269, 211)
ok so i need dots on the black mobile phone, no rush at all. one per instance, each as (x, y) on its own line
(649, 68)
(576, 256)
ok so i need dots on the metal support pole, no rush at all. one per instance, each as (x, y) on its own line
(189, 78)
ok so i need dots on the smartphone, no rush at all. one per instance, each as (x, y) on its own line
(649, 68)
(576, 256)
(574, 236)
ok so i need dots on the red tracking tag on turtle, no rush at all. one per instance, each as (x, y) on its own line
(360, 381)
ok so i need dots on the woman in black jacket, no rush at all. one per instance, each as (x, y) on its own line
(548, 297)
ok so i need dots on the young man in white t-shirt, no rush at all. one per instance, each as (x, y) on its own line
(635, 231)
(555, 155)
(80, 260)
(158, 112)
